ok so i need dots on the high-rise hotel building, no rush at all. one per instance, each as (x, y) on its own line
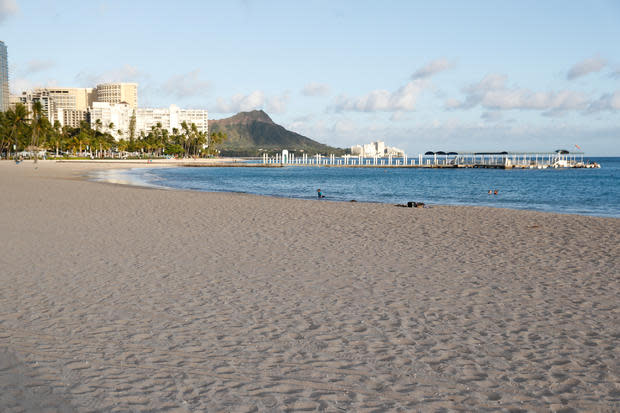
(4, 78)
(118, 93)
(71, 106)
(113, 105)
(67, 105)
(120, 114)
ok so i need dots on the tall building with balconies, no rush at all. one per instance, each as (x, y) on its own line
(171, 118)
(57, 103)
(118, 93)
(4, 78)
(120, 114)
(114, 118)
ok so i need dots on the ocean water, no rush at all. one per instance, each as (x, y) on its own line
(574, 191)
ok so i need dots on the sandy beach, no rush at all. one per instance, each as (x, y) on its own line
(123, 299)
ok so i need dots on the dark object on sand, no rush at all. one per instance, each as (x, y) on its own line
(411, 205)
(353, 200)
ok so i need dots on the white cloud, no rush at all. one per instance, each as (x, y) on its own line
(316, 89)
(126, 73)
(492, 116)
(277, 104)
(19, 85)
(398, 116)
(460, 134)
(608, 101)
(255, 100)
(186, 85)
(594, 64)
(35, 66)
(492, 93)
(432, 68)
(7, 8)
(403, 99)
(453, 103)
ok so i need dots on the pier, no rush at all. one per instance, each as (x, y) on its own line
(491, 160)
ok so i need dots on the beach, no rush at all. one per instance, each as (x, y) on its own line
(122, 298)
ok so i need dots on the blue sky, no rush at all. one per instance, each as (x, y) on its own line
(441, 75)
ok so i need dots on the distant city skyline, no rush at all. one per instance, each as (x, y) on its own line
(456, 76)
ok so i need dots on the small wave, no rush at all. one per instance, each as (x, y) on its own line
(134, 177)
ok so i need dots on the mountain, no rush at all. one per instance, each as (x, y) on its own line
(251, 133)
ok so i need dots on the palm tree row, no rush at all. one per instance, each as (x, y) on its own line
(23, 130)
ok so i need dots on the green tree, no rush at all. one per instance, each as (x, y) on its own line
(185, 135)
(121, 146)
(16, 126)
(82, 138)
(132, 127)
(215, 139)
(40, 127)
(55, 137)
(174, 149)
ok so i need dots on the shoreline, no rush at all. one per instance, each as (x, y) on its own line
(124, 298)
(428, 203)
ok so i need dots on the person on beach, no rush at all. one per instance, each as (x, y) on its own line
(319, 194)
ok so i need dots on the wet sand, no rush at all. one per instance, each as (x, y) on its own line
(119, 298)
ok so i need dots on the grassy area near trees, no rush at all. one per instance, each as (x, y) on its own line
(23, 130)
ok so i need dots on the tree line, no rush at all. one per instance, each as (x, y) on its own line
(31, 131)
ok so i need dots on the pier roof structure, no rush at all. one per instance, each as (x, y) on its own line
(501, 153)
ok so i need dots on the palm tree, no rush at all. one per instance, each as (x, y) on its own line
(132, 127)
(122, 145)
(56, 136)
(40, 127)
(96, 137)
(215, 139)
(65, 135)
(16, 120)
(98, 125)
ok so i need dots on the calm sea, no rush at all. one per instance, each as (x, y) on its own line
(574, 191)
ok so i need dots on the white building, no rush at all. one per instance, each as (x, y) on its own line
(118, 93)
(170, 118)
(114, 117)
(71, 117)
(58, 102)
(70, 106)
(378, 149)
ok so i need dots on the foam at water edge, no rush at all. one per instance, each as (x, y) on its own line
(123, 177)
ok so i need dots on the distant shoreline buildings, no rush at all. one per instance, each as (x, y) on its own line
(109, 107)
(115, 118)
(375, 149)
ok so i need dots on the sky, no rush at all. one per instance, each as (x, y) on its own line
(419, 75)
